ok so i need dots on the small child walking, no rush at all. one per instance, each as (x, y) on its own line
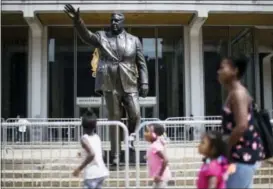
(214, 171)
(95, 171)
(157, 160)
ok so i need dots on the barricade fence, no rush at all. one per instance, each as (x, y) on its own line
(181, 132)
(217, 117)
(50, 133)
(23, 135)
(50, 166)
(184, 159)
(54, 134)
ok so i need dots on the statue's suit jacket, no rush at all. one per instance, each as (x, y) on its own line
(131, 62)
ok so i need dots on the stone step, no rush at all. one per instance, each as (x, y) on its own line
(113, 174)
(106, 145)
(70, 166)
(60, 152)
(255, 186)
(75, 159)
(120, 183)
(67, 165)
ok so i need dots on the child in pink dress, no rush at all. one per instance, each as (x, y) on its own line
(157, 160)
(214, 171)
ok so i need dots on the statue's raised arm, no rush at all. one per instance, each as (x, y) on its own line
(87, 36)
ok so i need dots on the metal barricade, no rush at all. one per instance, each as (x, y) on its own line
(104, 132)
(184, 159)
(188, 133)
(43, 165)
(51, 133)
(57, 134)
(44, 119)
(194, 117)
(141, 121)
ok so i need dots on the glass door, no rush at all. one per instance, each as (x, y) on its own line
(243, 43)
(215, 40)
(171, 71)
(148, 112)
(61, 72)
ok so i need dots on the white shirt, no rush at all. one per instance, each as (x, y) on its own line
(96, 168)
(23, 125)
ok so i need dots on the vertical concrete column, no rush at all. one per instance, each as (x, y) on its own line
(196, 71)
(45, 73)
(257, 68)
(187, 88)
(267, 81)
(37, 67)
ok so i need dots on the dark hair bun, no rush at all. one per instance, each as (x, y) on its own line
(241, 63)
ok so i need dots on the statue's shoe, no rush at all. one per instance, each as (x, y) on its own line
(132, 138)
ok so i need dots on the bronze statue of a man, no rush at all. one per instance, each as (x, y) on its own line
(121, 74)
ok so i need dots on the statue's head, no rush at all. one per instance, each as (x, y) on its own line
(117, 22)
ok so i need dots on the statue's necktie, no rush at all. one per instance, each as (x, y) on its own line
(119, 48)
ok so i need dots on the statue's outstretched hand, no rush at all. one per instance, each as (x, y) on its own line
(71, 12)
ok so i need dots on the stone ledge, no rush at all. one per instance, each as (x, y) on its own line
(64, 174)
(76, 182)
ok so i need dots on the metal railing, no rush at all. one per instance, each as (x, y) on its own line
(51, 165)
(54, 133)
(184, 159)
(217, 117)
(180, 132)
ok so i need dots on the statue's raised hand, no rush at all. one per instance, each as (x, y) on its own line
(71, 12)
